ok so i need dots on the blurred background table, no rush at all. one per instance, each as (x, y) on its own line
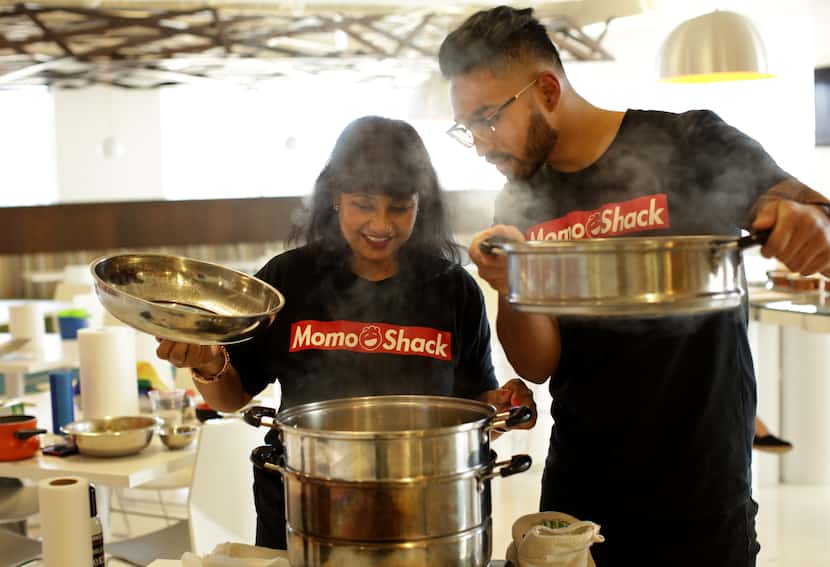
(17, 363)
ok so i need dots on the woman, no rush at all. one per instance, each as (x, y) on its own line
(376, 302)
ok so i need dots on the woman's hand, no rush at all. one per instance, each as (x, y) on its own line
(207, 359)
(513, 393)
(493, 267)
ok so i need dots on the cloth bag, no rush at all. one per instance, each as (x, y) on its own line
(558, 547)
(237, 555)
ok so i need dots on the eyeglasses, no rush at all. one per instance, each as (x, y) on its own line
(485, 126)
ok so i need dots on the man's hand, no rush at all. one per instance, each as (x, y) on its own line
(493, 267)
(513, 393)
(800, 235)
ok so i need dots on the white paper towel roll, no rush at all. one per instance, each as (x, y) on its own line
(26, 322)
(65, 522)
(109, 384)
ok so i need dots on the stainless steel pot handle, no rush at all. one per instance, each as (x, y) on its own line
(267, 457)
(254, 416)
(517, 464)
(494, 245)
(753, 238)
(511, 418)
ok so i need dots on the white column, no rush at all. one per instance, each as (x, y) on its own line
(806, 406)
(765, 342)
(108, 144)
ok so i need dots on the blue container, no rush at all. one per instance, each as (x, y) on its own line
(69, 326)
(61, 393)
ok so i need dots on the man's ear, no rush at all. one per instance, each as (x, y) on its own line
(551, 89)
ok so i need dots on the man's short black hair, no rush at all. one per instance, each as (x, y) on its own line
(494, 38)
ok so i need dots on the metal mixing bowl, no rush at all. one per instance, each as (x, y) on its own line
(184, 300)
(112, 436)
(178, 437)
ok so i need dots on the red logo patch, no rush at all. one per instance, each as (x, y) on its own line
(371, 338)
(637, 215)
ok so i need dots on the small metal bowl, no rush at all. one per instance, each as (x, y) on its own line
(179, 437)
(112, 436)
(184, 300)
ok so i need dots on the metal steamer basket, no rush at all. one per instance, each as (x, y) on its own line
(186, 300)
(388, 480)
(465, 549)
(637, 276)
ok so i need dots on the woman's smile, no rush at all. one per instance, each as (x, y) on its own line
(378, 242)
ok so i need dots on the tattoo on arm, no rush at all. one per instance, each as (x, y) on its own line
(793, 190)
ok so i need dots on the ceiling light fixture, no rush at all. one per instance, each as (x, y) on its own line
(719, 46)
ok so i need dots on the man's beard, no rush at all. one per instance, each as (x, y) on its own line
(541, 139)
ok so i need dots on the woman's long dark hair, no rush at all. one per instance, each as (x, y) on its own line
(387, 157)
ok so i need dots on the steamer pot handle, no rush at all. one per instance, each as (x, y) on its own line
(267, 457)
(753, 238)
(511, 418)
(493, 245)
(253, 416)
(517, 464)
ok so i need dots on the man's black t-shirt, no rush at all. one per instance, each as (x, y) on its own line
(422, 331)
(652, 415)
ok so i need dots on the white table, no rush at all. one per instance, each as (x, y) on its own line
(106, 473)
(804, 312)
(53, 354)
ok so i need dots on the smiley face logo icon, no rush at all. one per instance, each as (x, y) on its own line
(593, 225)
(370, 337)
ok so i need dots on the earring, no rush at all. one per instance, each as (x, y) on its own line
(336, 207)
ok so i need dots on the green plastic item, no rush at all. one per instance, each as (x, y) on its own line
(74, 313)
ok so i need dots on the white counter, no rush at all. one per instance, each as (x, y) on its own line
(790, 336)
(805, 311)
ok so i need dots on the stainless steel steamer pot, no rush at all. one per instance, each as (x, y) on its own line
(407, 509)
(388, 480)
(387, 437)
(637, 276)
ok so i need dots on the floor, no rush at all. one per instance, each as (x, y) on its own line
(793, 521)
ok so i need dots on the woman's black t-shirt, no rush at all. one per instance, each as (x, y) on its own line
(423, 331)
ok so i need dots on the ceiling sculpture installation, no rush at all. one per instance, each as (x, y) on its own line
(74, 45)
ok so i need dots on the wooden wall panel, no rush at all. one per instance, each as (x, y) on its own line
(97, 226)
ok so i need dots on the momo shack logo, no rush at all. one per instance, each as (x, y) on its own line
(370, 338)
(637, 215)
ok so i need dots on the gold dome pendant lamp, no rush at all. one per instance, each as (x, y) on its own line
(719, 46)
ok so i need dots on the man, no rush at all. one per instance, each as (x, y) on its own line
(653, 417)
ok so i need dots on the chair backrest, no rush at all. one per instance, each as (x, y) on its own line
(221, 501)
(67, 291)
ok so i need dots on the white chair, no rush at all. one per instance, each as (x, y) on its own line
(18, 550)
(17, 503)
(220, 504)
